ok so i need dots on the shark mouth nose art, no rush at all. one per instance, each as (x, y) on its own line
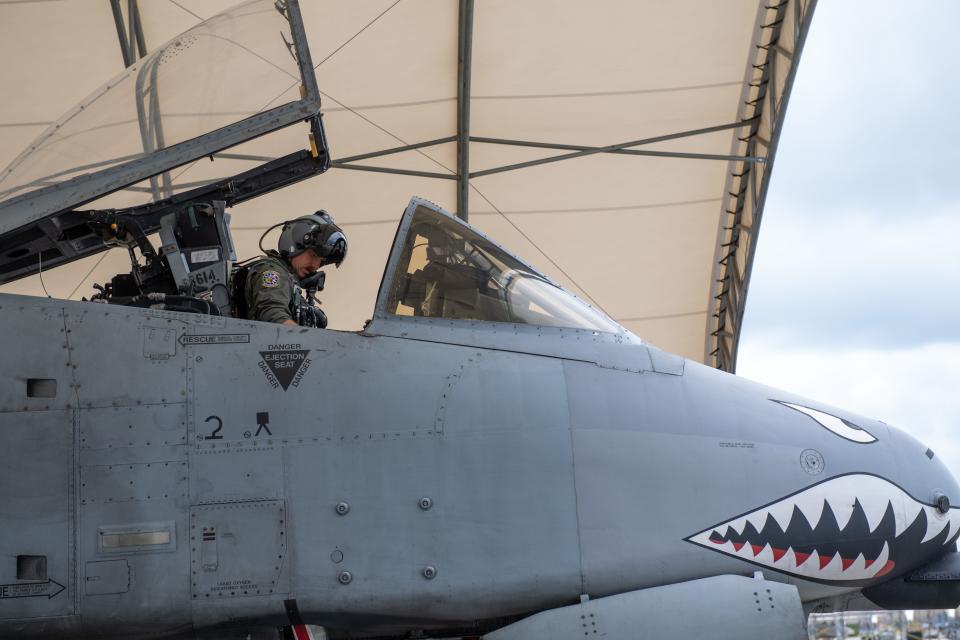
(848, 529)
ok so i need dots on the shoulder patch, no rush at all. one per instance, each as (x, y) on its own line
(269, 279)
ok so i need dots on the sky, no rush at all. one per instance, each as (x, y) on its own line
(855, 291)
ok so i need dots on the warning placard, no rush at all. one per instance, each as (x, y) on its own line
(285, 367)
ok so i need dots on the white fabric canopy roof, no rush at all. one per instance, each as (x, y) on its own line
(662, 243)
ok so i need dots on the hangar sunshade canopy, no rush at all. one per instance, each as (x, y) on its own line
(624, 148)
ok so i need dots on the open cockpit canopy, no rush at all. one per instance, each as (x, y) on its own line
(143, 137)
(232, 67)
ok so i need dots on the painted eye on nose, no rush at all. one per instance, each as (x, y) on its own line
(838, 426)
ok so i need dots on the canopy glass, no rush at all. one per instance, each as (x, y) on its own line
(447, 270)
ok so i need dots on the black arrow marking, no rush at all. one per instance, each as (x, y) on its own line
(31, 590)
(213, 338)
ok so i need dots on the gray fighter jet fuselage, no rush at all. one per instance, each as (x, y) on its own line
(168, 472)
(489, 456)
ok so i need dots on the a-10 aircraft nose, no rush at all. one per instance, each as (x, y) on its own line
(925, 500)
(871, 503)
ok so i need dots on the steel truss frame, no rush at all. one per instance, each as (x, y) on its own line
(768, 82)
(579, 151)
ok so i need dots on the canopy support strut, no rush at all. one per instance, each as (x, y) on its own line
(464, 62)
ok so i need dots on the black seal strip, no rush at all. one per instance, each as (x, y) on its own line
(293, 612)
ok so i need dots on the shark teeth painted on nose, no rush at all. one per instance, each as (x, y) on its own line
(847, 529)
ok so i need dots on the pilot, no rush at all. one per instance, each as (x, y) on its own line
(273, 282)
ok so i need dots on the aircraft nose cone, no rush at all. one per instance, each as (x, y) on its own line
(922, 472)
(924, 477)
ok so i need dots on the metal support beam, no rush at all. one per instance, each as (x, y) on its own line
(664, 138)
(580, 151)
(463, 158)
(133, 46)
(406, 147)
(464, 63)
(136, 33)
(403, 172)
(463, 139)
(121, 33)
(629, 152)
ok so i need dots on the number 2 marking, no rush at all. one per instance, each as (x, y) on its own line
(214, 436)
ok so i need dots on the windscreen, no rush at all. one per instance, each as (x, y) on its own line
(228, 68)
(447, 270)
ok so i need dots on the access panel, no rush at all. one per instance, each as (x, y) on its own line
(238, 549)
(36, 536)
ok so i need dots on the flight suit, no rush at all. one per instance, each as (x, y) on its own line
(271, 290)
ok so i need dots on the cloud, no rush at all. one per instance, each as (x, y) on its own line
(858, 242)
(914, 389)
(857, 280)
(871, 119)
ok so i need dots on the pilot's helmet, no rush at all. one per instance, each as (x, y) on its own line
(316, 231)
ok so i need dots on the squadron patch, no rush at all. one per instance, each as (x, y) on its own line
(269, 279)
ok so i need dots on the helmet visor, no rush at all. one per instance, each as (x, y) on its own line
(332, 247)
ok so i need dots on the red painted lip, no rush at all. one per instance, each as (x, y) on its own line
(887, 568)
(801, 557)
